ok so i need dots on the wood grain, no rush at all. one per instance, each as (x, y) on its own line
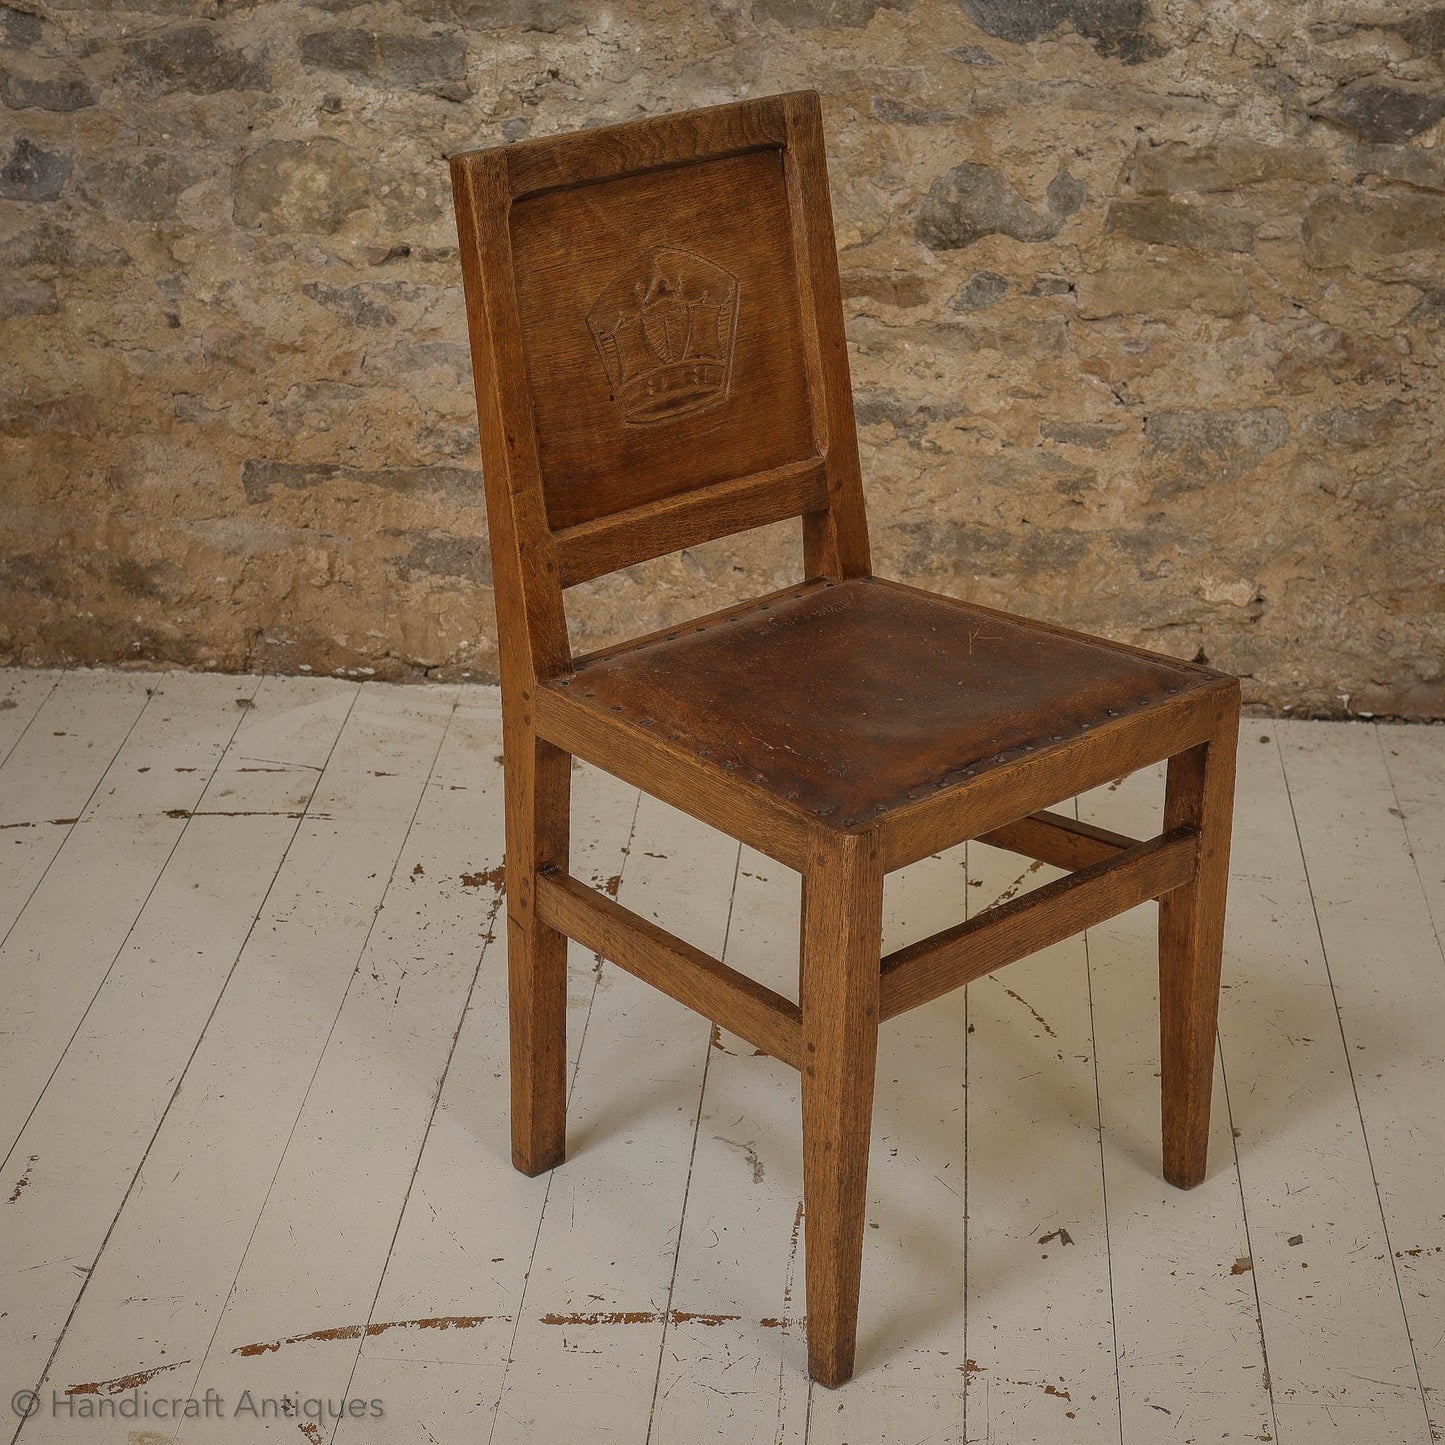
(591, 549)
(1068, 905)
(663, 340)
(712, 133)
(764, 1018)
(835, 539)
(538, 800)
(838, 988)
(1055, 838)
(1199, 794)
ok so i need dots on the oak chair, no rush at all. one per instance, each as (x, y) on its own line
(657, 331)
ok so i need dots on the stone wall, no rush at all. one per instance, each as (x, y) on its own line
(1145, 300)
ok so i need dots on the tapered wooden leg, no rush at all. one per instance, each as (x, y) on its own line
(842, 923)
(1200, 792)
(538, 784)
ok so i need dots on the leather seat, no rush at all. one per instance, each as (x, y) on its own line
(851, 698)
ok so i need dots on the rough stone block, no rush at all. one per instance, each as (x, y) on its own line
(191, 59)
(141, 185)
(58, 248)
(430, 64)
(904, 112)
(972, 201)
(983, 288)
(1410, 165)
(1397, 235)
(896, 288)
(299, 185)
(32, 173)
(1167, 222)
(1354, 428)
(1222, 166)
(1116, 27)
(259, 478)
(1192, 450)
(1425, 32)
(830, 14)
(20, 28)
(441, 554)
(19, 297)
(360, 305)
(1132, 286)
(1095, 436)
(1429, 310)
(526, 17)
(1026, 336)
(1382, 113)
(62, 93)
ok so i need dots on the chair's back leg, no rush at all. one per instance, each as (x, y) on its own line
(538, 785)
(1199, 792)
(842, 928)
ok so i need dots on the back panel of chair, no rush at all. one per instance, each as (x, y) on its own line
(660, 320)
(658, 344)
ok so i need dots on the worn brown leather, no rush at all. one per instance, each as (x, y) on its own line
(854, 697)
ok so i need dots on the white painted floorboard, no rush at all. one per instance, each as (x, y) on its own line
(253, 1092)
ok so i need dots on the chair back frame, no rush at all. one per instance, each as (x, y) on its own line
(546, 533)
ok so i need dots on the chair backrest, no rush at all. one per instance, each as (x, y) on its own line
(657, 338)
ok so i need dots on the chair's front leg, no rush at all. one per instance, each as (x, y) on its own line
(838, 988)
(1199, 792)
(538, 786)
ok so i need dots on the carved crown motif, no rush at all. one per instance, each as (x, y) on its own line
(665, 329)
